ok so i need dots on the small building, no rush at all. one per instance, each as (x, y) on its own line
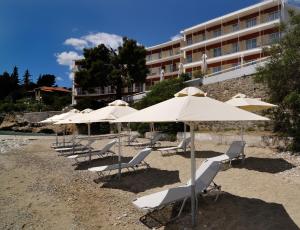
(40, 91)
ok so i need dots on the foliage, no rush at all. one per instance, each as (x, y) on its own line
(46, 80)
(102, 66)
(185, 76)
(89, 103)
(26, 79)
(282, 76)
(198, 74)
(160, 92)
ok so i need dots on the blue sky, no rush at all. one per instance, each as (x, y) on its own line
(44, 35)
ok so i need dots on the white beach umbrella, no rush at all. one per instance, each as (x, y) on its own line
(74, 118)
(191, 107)
(250, 104)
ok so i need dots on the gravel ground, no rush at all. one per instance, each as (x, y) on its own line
(40, 190)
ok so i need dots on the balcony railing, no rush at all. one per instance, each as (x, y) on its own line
(263, 18)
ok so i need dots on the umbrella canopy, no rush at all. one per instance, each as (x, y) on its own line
(75, 118)
(59, 117)
(111, 112)
(249, 104)
(190, 107)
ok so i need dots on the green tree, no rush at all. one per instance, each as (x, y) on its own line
(102, 66)
(281, 74)
(26, 79)
(160, 92)
(15, 77)
(46, 80)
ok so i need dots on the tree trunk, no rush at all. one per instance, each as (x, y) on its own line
(119, 87)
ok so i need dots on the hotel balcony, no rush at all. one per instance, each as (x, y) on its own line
(235, 50)
(100, 92)
(251, 19)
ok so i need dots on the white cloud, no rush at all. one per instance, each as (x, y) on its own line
(177, 36)
(67, 58)
(59, 78)
(77, 43)
(109, 40)
(95, 39)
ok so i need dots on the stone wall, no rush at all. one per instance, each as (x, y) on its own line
(224, 91)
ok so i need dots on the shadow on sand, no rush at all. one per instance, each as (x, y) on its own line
(232, 212)
(268, 165)
(100, 162)
(142, 180)
(200, 154)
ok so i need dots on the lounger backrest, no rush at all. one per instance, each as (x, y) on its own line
(108, 146)
(184, 143)
(205, 174)
(155, 139)
(133, 137)
(235, 149)
(138, 158)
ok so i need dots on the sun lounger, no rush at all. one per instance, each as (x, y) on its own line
(62, 144)
(235, 151)
(105, 151)
(76, 150)
(182, 145)
(131, 139)
(151, 143)
(136, 162)
(203, 185)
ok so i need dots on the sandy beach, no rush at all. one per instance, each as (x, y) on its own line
(41, 190)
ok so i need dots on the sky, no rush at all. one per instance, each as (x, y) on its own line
(44, 36)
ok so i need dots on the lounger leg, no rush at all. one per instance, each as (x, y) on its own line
(181, 208)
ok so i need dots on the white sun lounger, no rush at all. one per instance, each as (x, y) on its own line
(182, 145)
(235, 151)
(105, 151)
(203, 185)
(151, 143)
(137, 161)
(63, 144)
(131, 139)
(76, 150)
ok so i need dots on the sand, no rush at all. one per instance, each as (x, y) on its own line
(40, 190)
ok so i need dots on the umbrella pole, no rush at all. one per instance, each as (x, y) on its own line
(193, 168)
(242, 133)
(64, 139)
(184, 136)
(89, 135)
(119, 149)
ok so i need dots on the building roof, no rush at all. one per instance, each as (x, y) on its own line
(54, 89)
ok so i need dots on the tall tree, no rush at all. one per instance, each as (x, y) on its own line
(26, 79)
(46, 80)
(102, 66)
(15, 77)
(281, 74)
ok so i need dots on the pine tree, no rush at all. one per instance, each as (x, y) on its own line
(26, 79)
(15, 77)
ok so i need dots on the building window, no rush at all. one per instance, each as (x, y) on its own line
(149, 57)
(217, 33)
(189, 40)
(216, 69)
(235, 47)
(159, 55)
(274, 38)
(217, 52)
(274, 15)
(235, 27)
(169, 68)
(250, 22)
(189, 58)
(251, 43)
(171, 52)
